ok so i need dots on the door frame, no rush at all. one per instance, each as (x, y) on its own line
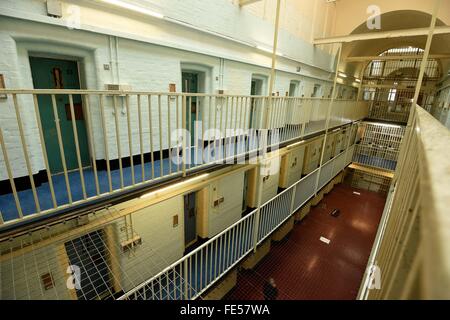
(296, 92)
(204, 85)
(81, 81)
(203, 71)
(264, 79)
(195, 191)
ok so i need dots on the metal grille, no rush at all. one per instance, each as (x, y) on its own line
(404, 65)
(370, 181)
(143, 137)
(123, 256)
(84, 262)
(379, 146)
(389, 104)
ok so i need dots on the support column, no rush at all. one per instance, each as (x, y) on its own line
(327, 122)
(274, 51)
(265, 129)
(403, 153)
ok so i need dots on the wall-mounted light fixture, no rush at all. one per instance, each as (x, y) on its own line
(135, 8)
(162, 190)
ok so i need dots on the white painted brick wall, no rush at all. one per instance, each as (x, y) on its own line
(143, 66)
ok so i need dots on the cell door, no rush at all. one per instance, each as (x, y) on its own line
(244, 195)
(88, 254)
(190, 219)
(190, 85)
(60, 74)
(293, 89)
(255, 90)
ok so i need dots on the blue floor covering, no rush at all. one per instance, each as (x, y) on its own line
(9, 210)
(376, 162)
(8, 207)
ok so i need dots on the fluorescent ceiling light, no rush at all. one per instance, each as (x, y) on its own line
(132, 7)
(146, 195)
(264, 49)
(357, 80)
(268, 50)
(342, 75)
(295, 144)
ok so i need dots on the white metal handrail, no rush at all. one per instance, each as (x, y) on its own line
(140, 133)
(231, 245)
(410, 257)
(379, 145)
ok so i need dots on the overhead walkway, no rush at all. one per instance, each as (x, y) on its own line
(164, 139)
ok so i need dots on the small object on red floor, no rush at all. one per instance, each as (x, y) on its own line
(323, 239)
(301, 265)
(335, 213)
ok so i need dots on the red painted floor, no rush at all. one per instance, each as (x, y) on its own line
(304, 267)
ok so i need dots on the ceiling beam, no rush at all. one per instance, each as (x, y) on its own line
(246, 2)
(383, 35)
(396, 57)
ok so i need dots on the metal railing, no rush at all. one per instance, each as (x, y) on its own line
(63, 148)
(389, 104)
(379, 146)
(410, 257)
(192, 275)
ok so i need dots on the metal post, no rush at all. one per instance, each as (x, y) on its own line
(269, 106)
(402, 153)
(294, 191)
(358, 98)
(257, 214)
(183, 125)
(10, 175)
(327, 122)
(274, 52)
(426, 52)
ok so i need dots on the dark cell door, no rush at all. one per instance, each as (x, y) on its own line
(190, 85)
(244, 195)
(89, 254)
(292, 89)
(254, 91)
(60, 74)
(190, 221)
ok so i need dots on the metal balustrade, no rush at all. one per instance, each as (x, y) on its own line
(376, 157)
(192, 275)
(389, 104)
(379, 146)
(410, 257)
(54, 161)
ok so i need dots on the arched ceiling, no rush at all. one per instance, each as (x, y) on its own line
(394, 20)
(350, 14)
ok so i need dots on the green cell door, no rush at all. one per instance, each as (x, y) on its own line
(60, 74)
(255, 90)
(190, 85)
(190, 219)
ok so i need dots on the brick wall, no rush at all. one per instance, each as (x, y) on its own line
(144, 66)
